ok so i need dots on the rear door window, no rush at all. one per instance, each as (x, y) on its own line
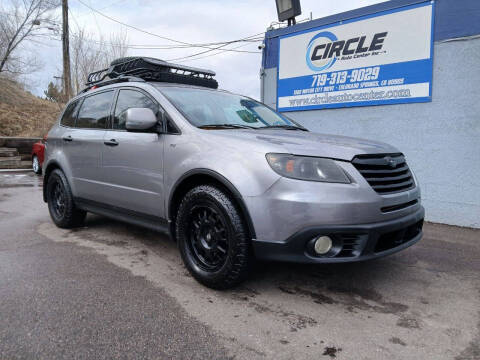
(70, 114)
(95, 111)
(127, 99)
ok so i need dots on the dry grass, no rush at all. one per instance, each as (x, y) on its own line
(23, 114)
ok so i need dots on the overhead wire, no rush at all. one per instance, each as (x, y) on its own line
(106, 7)
(147, 46)
(207, 45)
(206, 51)
(210, 55)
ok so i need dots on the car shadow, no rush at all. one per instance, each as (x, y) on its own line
(353, 284)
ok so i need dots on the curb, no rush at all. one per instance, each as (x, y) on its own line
(15, 170)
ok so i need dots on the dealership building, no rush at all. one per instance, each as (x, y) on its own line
(404, 72)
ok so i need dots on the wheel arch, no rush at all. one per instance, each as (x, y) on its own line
(197, 177)
(52, 165)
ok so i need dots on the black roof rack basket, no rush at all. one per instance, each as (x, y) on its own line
(151, 69)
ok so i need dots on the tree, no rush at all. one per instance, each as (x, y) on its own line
(89, 54)
(53, 93)
(20, 21)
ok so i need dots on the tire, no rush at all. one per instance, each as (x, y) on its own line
(208, 221)
(61, 206)
(37, 169)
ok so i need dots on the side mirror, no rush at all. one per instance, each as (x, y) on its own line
(140, 119)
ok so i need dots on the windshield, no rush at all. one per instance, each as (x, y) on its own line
(210, 109)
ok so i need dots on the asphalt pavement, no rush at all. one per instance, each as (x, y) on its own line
(114, 291)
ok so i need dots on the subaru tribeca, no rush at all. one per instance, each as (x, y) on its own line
(157, 145)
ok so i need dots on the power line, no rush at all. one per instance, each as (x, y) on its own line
(210, 55)
(143, 46)
(207, 46)
(187, 58)
(114, 3)
(183, 45)
(106, 7)
(206, 51)
(131, 26)
(249, 40)
(95, 18)
(212, 49)
(74, 20)
(157, 47)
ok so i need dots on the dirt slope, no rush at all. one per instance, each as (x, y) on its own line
(23, 114)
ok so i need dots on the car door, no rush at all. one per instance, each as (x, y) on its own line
(85, 144)
(133, 161)
(62, 144)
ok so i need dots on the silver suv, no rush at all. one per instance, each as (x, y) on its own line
(227, 177)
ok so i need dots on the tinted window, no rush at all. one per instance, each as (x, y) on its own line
(95, 111)
(68, 118)
(130, 99)
(171, 129)
(208, 107)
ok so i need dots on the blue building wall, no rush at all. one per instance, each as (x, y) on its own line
(441, 139)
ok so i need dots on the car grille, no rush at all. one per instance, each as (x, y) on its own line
(396, 238)
(386, 173)
(386, 209)
(351, 245)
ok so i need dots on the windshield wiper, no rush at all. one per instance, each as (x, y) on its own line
(226, 126)
(286, 127)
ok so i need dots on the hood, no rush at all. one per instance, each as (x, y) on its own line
(307, 143)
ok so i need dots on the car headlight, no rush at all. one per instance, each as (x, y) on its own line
(307, 168)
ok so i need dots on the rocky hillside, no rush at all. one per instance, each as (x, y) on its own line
(23, 114)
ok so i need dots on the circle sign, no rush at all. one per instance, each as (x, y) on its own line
(323, 38)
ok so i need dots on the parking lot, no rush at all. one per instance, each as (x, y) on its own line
(110, 290)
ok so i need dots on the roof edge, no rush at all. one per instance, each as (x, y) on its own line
(347, 15)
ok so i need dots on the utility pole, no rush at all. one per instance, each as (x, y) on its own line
(67, 80)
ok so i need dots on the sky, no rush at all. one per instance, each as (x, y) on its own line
(191, 21)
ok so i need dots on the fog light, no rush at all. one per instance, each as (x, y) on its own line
(323, 244)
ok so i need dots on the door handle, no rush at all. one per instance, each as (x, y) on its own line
(111, 142)
(67, 138)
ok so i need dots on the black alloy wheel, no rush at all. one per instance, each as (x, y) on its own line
(208, 237)
(60, 201)
(212, 237)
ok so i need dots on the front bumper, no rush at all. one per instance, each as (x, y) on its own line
(351, 242)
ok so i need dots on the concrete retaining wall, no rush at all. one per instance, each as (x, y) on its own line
(22, 144)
